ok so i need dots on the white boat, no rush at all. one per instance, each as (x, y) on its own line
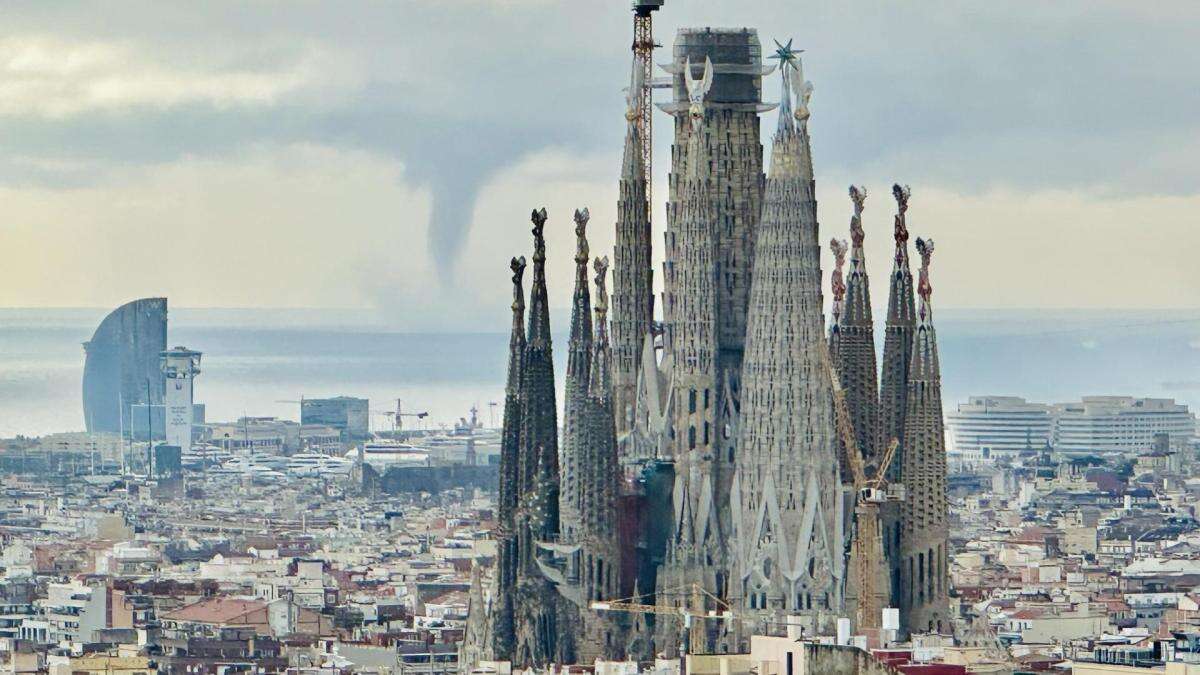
(273, 462)
(335, 467)
(381, 454)
(305, 464)
(200, 458)
(265, 476)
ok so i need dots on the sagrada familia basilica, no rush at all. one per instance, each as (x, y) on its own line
(701, 489)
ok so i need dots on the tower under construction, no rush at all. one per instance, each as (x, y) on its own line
(725, 444)
(716, 189)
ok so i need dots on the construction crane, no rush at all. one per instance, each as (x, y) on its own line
(399, 415)
(643, 51)
(871, 492)
(689, 631)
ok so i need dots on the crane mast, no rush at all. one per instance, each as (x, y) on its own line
(870, 493)
(643, 50)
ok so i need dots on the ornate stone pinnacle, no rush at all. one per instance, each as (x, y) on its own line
(601, 267)
(804, 92)
(518, 274)
(539, 240)
(858, 195)
(924, 289)
(838, 285)
(581, 243)
(901, 194)
(901, 228)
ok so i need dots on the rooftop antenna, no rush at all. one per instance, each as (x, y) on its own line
(643, 50)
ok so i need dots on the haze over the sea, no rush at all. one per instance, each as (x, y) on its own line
(257, 361)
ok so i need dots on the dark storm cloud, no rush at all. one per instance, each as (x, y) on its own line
(968, 95)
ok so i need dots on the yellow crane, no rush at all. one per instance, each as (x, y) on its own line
(695, 595)
(871, 492)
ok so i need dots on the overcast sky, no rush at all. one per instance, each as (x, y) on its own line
(386, 155)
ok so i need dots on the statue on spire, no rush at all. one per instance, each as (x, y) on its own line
(858, 195)
(924, 289)
(518, 273)
(791, 69)
(901, 194)
(539, 239)
(601, 308)
(581, 243)
(697, 90)
(838, 247)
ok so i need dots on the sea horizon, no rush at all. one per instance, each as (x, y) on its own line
(260, 361)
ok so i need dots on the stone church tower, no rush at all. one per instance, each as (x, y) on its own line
(579, 367)
(852, 337)
(893, 385)
(601, 549)
(745, 505)
(924, 575)
(539, 637)
(787, 497)
(716, 187)
(633, 274)
(503, 635)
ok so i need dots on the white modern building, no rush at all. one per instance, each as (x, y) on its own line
(992, 427)
(1120, 424)
(986, 428)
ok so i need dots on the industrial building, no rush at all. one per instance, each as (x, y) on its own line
(347, 414)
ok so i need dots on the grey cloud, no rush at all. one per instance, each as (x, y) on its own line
(967, 95)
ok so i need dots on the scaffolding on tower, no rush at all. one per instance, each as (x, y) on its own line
(643, 50)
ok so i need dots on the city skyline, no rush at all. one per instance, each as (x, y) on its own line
(130, 140)
(278, 395)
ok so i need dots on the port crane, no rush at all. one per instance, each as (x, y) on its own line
(398, 417)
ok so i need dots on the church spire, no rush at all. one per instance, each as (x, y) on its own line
(893, 386)
(579, 364)
(538, 515)
(503, 619)
(924, 520)
(602, 458)
(788, 546)
(898, 333)
(855, 356)
(633, 275)
(539, 313)
(858, 290)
